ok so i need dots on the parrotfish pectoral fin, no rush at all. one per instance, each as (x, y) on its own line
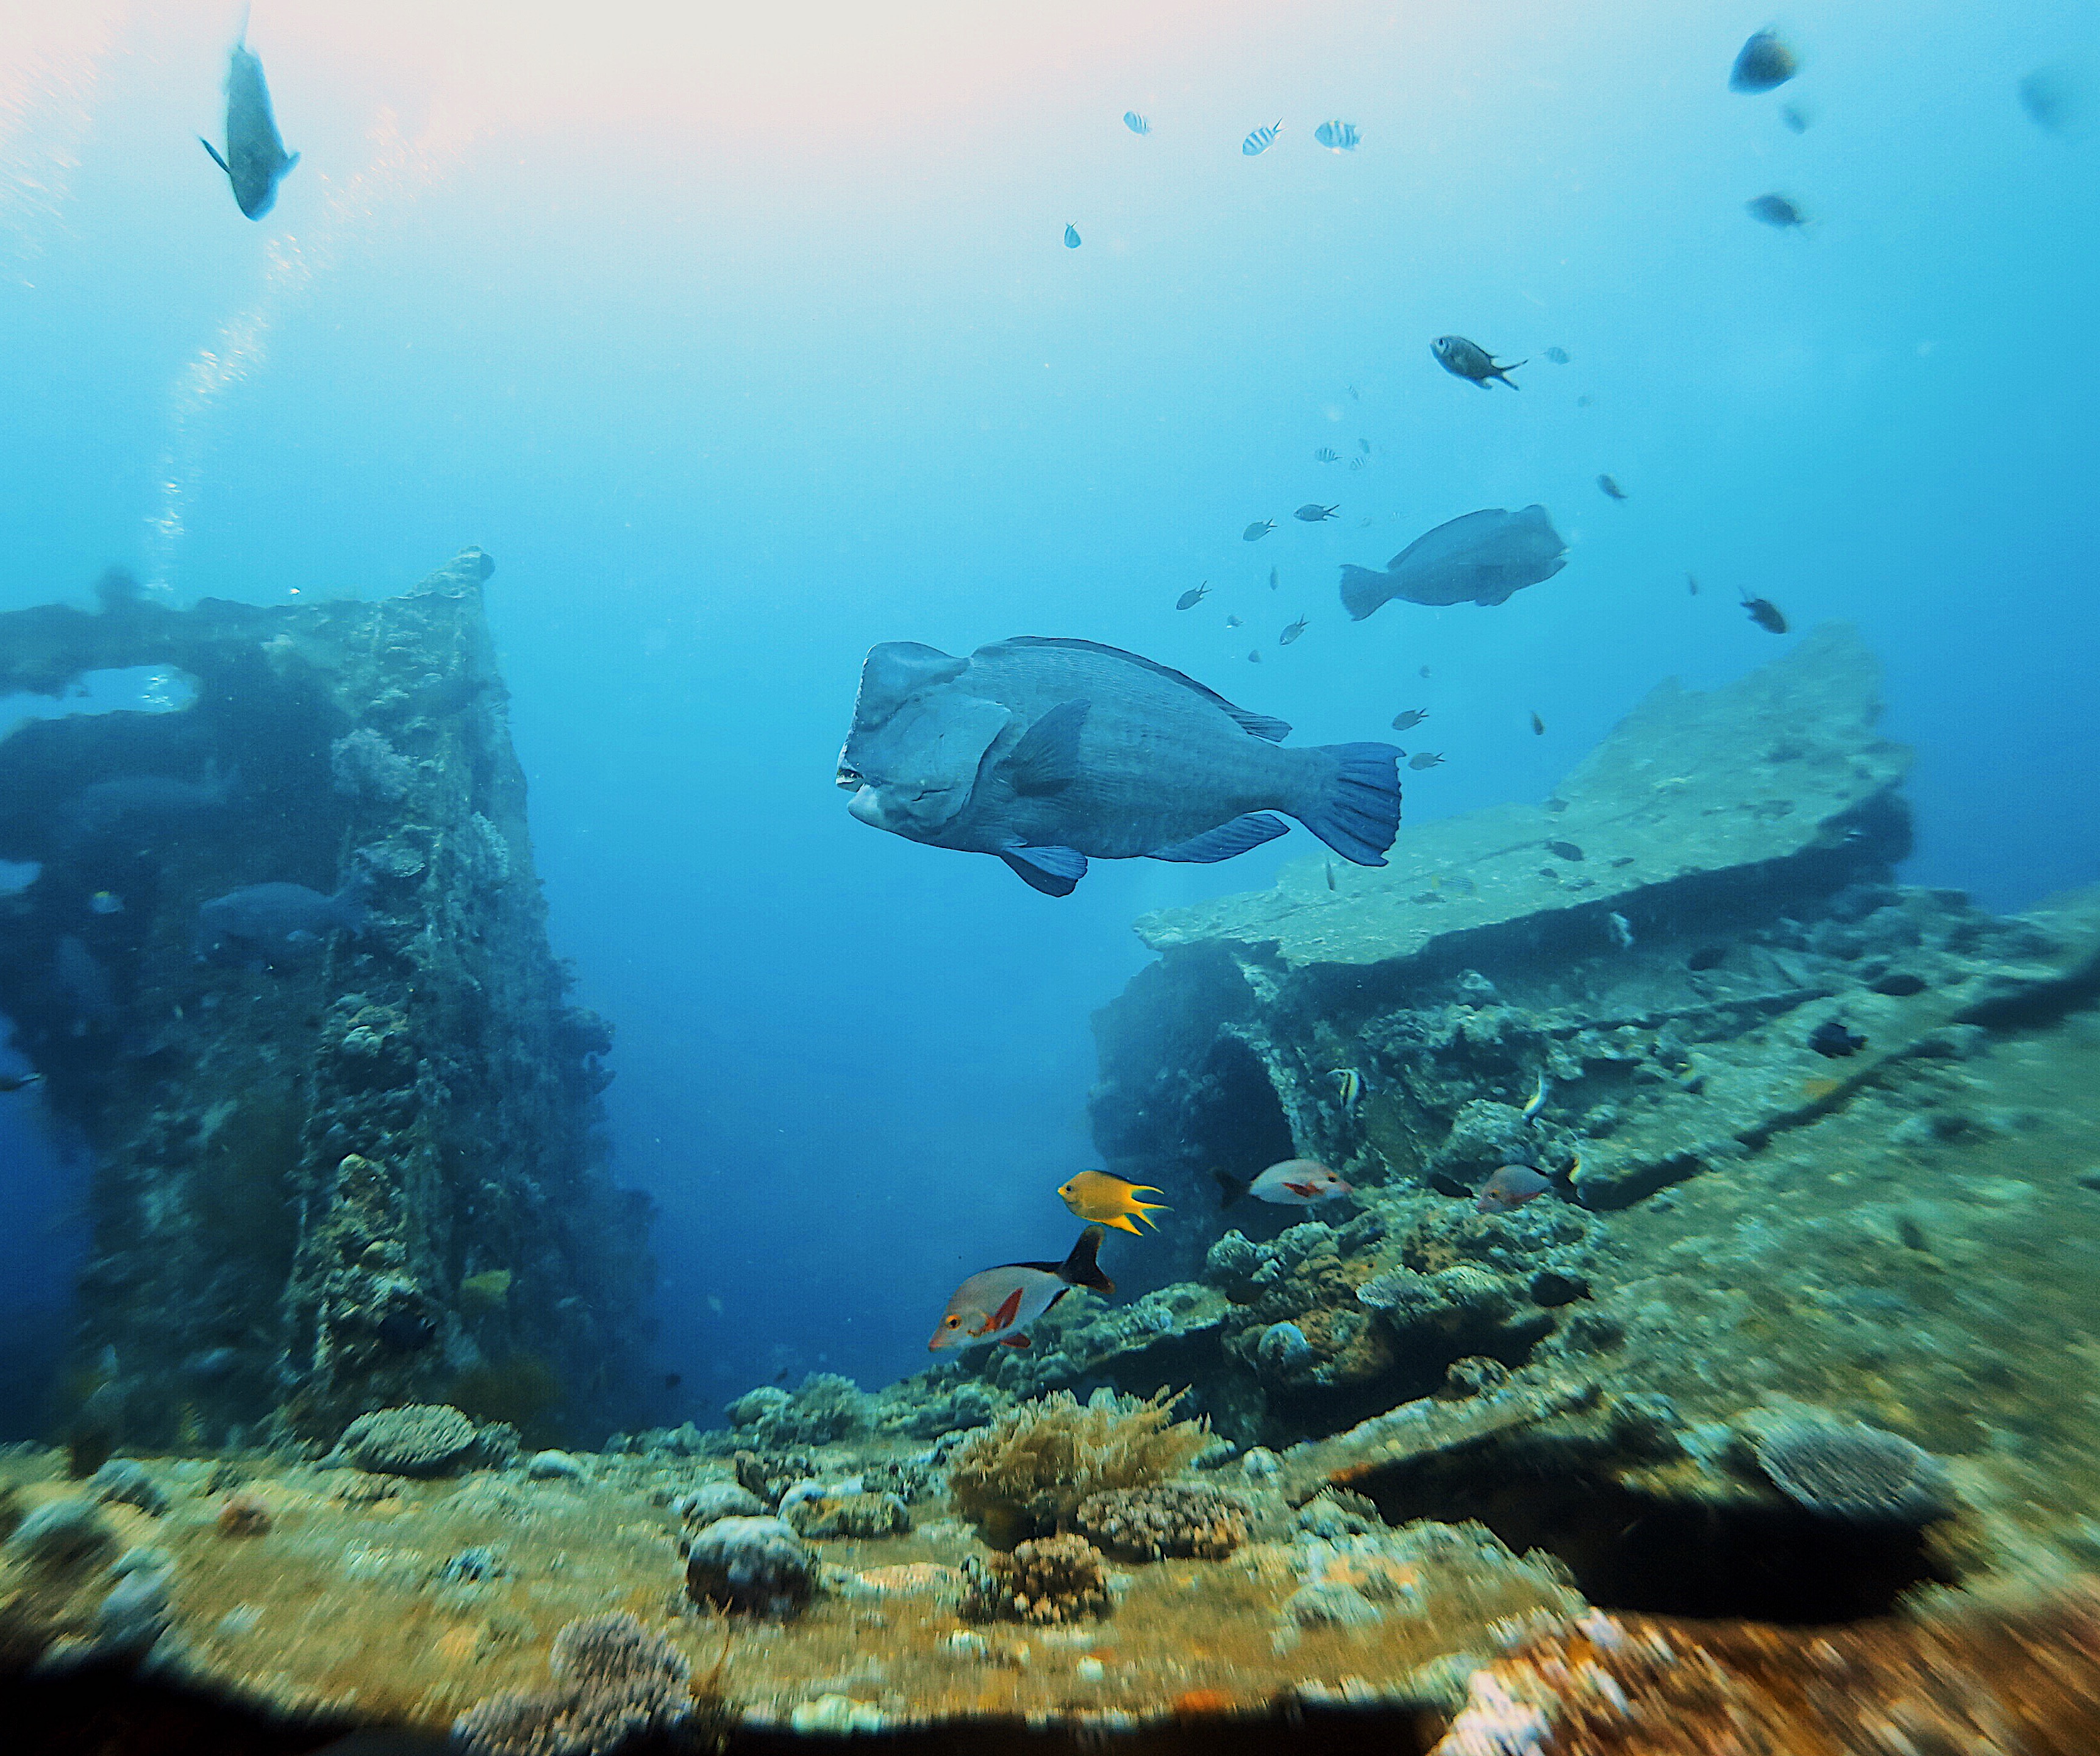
(215, 159)
(1225, 841)
(1055, 871)
(1046, 759)
(1081, 1269)
(1358, 815)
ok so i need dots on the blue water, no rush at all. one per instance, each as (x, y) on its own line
(741, 348)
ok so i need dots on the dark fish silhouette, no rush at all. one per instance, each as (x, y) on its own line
(1537, 727)
(272, 922)
(1291, 633)
(1046, 752)
(1832, 1041)
(1482, 558)
(1193, 596)
(1253, 533)
(1763, 64)
(1314, 512)
(1775, 210)
(1611, 488)
(1765, 613)
(1326, 454)
(1692, 584)
(1426, 759)
(255, 161)
(1470, 361)
(1408, 718)
(1557, 355)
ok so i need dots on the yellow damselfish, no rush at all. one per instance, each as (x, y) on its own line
(1107, 1200)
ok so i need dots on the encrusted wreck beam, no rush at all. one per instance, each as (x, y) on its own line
(334, 1169)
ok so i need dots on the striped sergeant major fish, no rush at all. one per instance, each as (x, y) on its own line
(1261, 139)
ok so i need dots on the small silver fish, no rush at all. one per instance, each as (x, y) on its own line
(1470, 361)
(1261, 139)
(1232, 621)
(1291, 633)
(1326, 454)
(1275, 578)
(1255, 657)
(1611, 489)
(1408, 718)
(1136, 123)
(1537, 1101)
(1337, 136)
(1193, 596)
(1314, 512)
(1622, 932)
(1253, 533)
(1557, 355)
(1426, 759)
(1071, 237)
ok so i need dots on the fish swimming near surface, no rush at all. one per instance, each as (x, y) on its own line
(1832, 1040)
(1261, 139)
(1796, 118)
(255, 161)
(1253, 533)
(997, 1305)
(1510, 1187)
(1136, 123)
(1364, 444)
(1232, 621)
(1326, 454)
(1775, 210)
(1470, 361)
(1254, 656)
(1291, 633)
(269, 922)
(1111, 1200)
(1295, 1183)
(1339, 136)
(1537, 726)
(1692, 584)
(1765, 613)
(1612, 489)
(1535, 1102)
(1193, 596)
(1408, 718)
(1275, 578)
(1314, 512)
(1426, 759)
(1483, 558)
(1763, 64)
(1557, 355)
(1071, 237)
(1046, 752)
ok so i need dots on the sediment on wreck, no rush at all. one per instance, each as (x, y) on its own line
(345, 1170)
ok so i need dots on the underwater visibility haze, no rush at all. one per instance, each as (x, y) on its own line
(1544, 558)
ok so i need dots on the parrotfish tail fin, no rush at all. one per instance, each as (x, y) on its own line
(215, 159)
(1055, 871)
(1357, 813)
(1363, 591)
(1081, 1269)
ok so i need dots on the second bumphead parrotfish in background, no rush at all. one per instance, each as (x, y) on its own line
(998, 1304)
(1047, 752)
(255, 161)
(1295, 1183)
(1470, 361)
(270, 922)
(1110, 1200)
(1483, 558)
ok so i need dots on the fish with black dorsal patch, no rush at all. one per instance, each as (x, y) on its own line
(997, 1305)
(1046, 752)
(1470, 361)
(255, 161)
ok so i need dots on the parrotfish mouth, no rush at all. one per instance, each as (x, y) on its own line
(848, 778)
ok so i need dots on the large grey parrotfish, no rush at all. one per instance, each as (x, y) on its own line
(1479, 558)
(1047, 751)
(255, 161)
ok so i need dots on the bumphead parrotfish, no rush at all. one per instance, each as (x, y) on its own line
(273, 922)
(255, 161)
(1482, 558)
(1046, 752)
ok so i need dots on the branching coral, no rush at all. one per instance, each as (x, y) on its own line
(1026, 1475)
(1058, 1579)
(1175, 1519)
